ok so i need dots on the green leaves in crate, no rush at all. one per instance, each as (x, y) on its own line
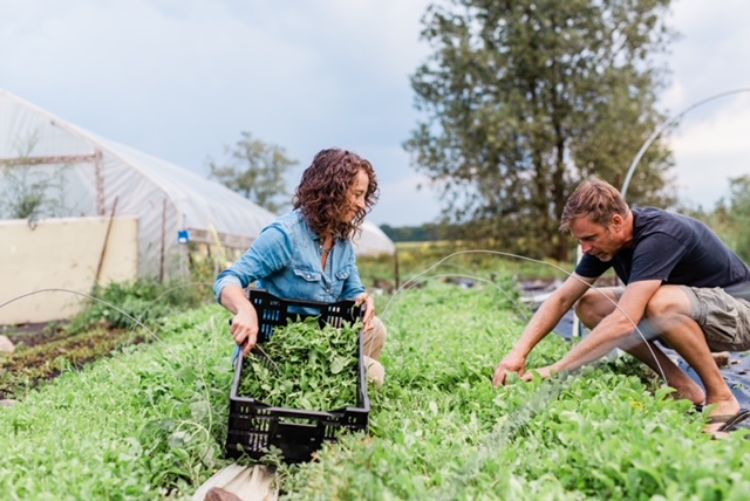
(305, 367)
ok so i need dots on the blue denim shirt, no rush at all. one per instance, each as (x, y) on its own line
(286, 261)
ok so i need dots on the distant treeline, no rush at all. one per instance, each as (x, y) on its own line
(730, 218)
(427, 232)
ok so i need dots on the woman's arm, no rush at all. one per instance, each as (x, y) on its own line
(271, 252)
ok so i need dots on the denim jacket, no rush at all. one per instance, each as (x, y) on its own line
(286, 261)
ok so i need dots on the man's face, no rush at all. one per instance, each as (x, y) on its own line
(600, 241)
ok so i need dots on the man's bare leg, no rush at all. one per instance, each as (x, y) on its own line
(685, 388)
(598, 303)
(671, 309)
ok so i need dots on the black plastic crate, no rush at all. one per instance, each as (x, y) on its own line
(255, 426)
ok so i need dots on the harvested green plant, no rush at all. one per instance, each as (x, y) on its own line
(305, 367)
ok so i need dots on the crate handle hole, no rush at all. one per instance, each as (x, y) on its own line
(298, 421)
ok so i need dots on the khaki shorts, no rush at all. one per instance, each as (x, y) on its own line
(725, 319)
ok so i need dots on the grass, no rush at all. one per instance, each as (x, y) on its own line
(150, 421)
(112, 319)
(29, 367)
(440, 431)
(470, 260)
(140, 425)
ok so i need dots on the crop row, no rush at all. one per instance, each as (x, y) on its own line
(150, 422)
(139, 425)
(441, 431)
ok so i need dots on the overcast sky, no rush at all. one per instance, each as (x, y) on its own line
(180, 79)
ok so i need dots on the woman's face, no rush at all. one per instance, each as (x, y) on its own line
(355, 197)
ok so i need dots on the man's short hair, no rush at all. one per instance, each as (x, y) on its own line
(594, 198)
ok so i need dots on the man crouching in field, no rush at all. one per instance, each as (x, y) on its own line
(683, 287)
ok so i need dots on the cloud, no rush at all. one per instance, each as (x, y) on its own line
(711, 150)
(710, 145)
(709, 57)
(180, 79)
(402, 202)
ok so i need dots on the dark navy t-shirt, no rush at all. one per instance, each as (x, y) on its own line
(675, 249)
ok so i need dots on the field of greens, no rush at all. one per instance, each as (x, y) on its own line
(466, 258)
(150, 420)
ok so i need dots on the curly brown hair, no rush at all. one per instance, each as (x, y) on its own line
(322, 192)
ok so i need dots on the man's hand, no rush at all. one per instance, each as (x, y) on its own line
(511, 363)
(544, 373)
(541, 324)
(245, 329)
(369, 303)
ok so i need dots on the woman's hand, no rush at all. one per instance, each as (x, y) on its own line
(245, 329)
(369, 304)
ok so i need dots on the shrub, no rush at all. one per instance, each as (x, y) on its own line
(125, 305)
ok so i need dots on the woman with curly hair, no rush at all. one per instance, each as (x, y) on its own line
(308, 253)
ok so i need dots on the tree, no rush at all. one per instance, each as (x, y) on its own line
(737, 216)
(730, 218)
(256, 170)
(28, 191)
(524, 98)
(423, 233)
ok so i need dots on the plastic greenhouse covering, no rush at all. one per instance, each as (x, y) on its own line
(92, 173)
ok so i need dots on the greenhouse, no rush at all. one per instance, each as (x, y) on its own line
(63, 186)
(98, 177)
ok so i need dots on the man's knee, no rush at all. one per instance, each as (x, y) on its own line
(584, 308)
(375, 338)
(375, 371)
(590, 309)
(668, 302)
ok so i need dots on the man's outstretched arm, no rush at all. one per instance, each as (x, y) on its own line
(611, 330)
(544, 320)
